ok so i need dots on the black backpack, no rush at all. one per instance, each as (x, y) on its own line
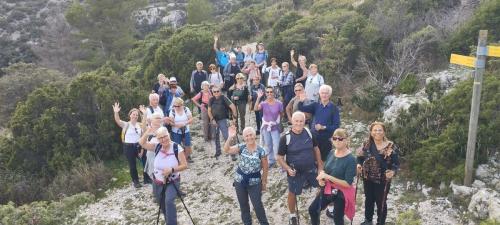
(176, 150)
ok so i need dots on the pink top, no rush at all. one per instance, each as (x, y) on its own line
(204, 99)
(349, 197)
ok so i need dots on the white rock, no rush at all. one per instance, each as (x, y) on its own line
(494, 209)
(484, 171)
(395, 104)
(481, 201)
(442, 186)
(478, 184)
(461, 191)
(426, 190)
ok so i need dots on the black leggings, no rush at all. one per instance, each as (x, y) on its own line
(130, 151)
(320, 203)
(374, 193)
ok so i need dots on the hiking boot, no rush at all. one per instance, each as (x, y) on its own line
(366, 222)
(190, 160)
(329, 213)
(137, 184)
(293, 221)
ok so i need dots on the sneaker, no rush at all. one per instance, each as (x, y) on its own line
(137, 185)
(329, 213)
(217, 155)
(293, 221)
(257, 133)
(366, 222)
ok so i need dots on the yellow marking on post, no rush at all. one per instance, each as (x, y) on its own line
(494, 51)
(463, 60)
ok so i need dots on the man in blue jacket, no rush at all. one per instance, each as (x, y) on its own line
(326, 118)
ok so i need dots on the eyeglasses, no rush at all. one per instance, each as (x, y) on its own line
(378, 130)
(161, 137)
(269, 92)
(297, 90)
(177, 106)
(215, 91)
(338, 138)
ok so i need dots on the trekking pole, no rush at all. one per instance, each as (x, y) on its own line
(355, 193)
(162, 196)
(184, 204)
(385, 194)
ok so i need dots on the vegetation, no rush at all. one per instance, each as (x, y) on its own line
(199, 11)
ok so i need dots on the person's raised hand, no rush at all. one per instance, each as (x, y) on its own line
(116, 107)
(292, 52)
(142, 108)
(231, 131)
(260, 93)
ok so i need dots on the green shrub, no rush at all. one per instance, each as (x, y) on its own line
(408, 85)
(369, 99)
(437, 132)
(44, 213)
(409, 217)
(434, 90)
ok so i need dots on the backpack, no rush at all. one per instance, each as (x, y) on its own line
(288, 136)
(176, 150)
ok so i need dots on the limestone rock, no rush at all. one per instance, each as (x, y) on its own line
(485, 203)
(461, 191)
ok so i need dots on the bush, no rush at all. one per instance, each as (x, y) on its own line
(433, 137)
(44, 213)
(434, 90)
(408, 85)
(409, 217)
(369, 99)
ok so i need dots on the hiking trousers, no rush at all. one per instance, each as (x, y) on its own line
(374, 194)
(130, 152)
(320, 204)
(271, 141)
(222, 127)
(255, 194)
(168, 202)
(242, 108)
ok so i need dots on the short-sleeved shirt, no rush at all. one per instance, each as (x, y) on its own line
(300, 151)
(274, 75)
(150, 113)
(182, 117)
(215, 79)
(220, 107)
(312, 86)
(271, 112)
(249, 163)
(133, 133)
(343, 168)
(205, 97)
(166, 160)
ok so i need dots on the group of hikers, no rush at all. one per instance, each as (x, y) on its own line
(297, 130)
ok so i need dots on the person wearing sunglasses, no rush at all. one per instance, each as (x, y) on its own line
(169, 162)
(272, 110)
(181, 117)
(293, 105)
(131, 132)
(219, 109)
(326, 118)
(239, 93)
(303, 161)
(337, 179)
(378, 162)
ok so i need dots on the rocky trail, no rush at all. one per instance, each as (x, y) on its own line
(211, 198)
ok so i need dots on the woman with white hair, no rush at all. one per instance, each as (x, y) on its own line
(169, 162)
(201, 101)
(248, 180)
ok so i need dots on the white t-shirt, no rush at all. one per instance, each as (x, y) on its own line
(312, 86)
(215, 79)
(150, 158)
(133, 133)
(168, 160)
(180, 118)
(155, 110)
(274, 75)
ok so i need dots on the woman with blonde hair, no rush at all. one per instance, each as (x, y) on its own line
(215, 77)
(239, 93)
(378, 162)
(180, 117)
(337, 181)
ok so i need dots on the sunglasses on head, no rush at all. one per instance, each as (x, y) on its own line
(338, 138)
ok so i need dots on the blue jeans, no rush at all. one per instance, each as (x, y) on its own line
(221, 128)
(177, 138)
(168, 203)
(258, 119)
(255, 194)
(271, 141)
